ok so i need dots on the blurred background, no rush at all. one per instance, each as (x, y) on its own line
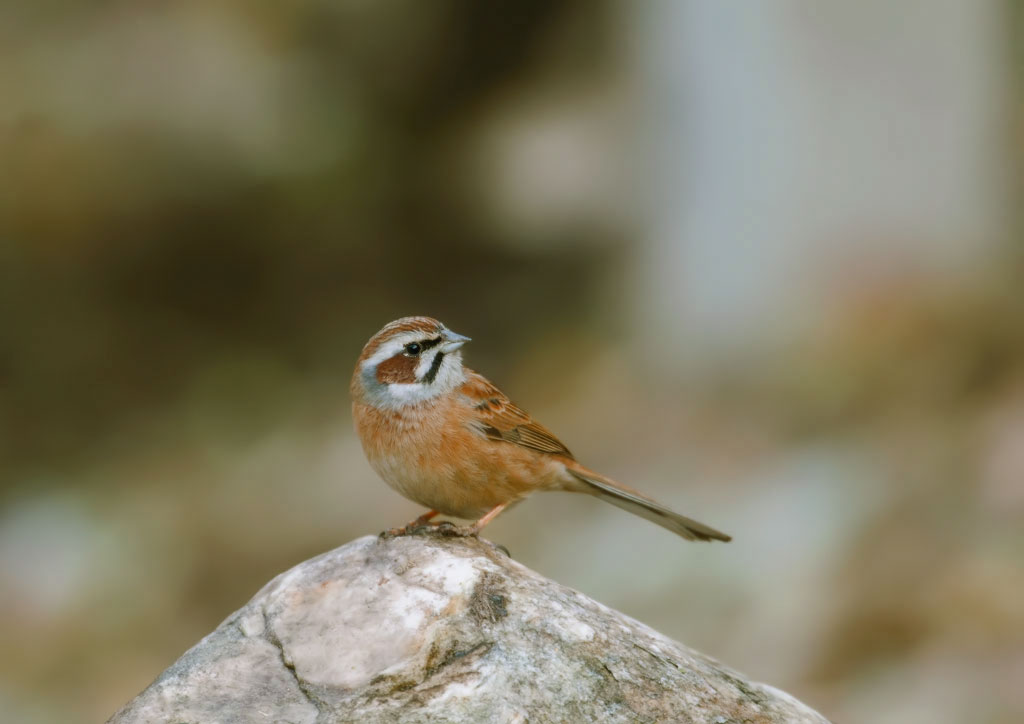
(761, 260)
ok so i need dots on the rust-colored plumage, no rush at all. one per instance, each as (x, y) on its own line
(444, 436)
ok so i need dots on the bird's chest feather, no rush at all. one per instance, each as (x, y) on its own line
(433, 454)
(412, 444)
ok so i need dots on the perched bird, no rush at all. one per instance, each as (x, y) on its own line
(445, 437)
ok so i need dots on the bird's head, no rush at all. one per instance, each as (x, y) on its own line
(408, 361)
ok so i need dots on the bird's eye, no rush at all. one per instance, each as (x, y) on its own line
(412, 349)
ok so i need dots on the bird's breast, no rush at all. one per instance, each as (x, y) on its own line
(429, 454)
(410, 449)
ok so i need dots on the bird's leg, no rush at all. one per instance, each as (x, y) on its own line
(447, 529)
(488, 517)
(422, 522)
(473, 530)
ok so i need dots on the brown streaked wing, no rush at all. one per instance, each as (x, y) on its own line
(501, 420)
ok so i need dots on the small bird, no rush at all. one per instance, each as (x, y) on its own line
(445, 437)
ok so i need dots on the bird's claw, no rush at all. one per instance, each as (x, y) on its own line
(450, 530)
(443, 529)
(447, 529)
(410, 529)
(424, 528)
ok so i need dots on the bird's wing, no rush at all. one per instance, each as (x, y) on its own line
(498, 418)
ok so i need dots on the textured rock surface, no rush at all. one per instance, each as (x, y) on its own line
(422, 629)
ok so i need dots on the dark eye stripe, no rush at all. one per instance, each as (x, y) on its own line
(435, 365)
(428, 343)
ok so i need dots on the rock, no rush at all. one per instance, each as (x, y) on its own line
(428, 629)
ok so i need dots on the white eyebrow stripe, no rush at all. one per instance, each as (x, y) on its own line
(391, 348)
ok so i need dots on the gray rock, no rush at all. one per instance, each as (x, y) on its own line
(427, 629)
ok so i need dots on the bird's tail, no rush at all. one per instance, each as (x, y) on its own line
(637, 503)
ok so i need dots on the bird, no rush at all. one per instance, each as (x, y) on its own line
(444, 436)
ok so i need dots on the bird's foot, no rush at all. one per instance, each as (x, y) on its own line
(410, 529)
(444, 529)
(450, 530)
(413, 527)
(447, 529)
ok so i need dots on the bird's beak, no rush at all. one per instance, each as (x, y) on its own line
(452, 341)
